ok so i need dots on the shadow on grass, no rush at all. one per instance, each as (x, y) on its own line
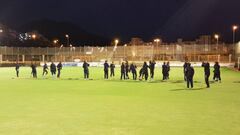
(236, 82)
(186, 89)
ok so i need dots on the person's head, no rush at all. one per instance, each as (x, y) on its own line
(164, 63)
(150, 61)
(106, 61)
(122, 63)
(145, 63)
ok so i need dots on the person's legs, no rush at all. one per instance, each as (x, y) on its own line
(219, 77)
(188, 82)
(214, 76)
(152, 75)
(207, 80)
(127, 77)
(17, 73)
(146, 77)
(111, 74)
(191, 81)
(87, 74)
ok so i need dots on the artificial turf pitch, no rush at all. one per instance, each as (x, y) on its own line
(74, 106)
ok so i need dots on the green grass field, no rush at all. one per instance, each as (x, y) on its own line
(74, 106)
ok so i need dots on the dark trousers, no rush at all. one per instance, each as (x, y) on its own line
(123, 75)
(53, 73)
(34, 73)
(86, 74)
(59, 73)
(112, 73)
(167, 75)
(146, 76)
(45, 72)
(134, 75)
(217, 76)
(207, 80)
(185, 77)
(152, 74)
(164, 76)
(17, 72)
(190, 82)
(127, 77)
(106, 74)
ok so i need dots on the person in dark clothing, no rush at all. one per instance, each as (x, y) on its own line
(123, 70)
(206, 66)
(17, 67)
(112, 68)
(59, 68)
(45, 69)
(145, 71)
(184, 70)
(141, 74)
(127, 70)
(168, 68)
(34, 70)
(133, 69)
(152, 68)
(53, 69)
(86, 70)
(164, 71)
(189, 74)
(217, 72)
(106, 71)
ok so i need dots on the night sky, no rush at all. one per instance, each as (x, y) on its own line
(127, 18)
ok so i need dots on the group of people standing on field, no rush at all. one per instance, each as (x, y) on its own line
(189, 73)
(53, 69)
(126, 69)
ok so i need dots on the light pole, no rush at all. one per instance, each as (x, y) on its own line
(216, 36)
(1, 31)
(234, 28)
(157, 41)
(68, 39)
(116, 41)
(125, 51)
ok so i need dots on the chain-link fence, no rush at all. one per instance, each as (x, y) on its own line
(223, 53)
